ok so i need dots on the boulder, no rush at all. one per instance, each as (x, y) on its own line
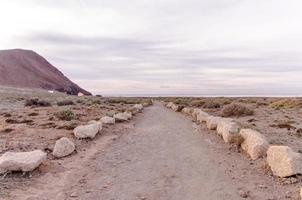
(120, 117)
(177, 108)
(229, 130)
(21, 161)
(169, 104)
(195, 113)
(133, 110)
(87, 131)
(202, 116)
(283, 161)
(100, 124)
(254, 143)
(128, 114)
(111, 113)
(138, 107)
(212, 122)
(63, 147)
(187, 111)
(107, 120)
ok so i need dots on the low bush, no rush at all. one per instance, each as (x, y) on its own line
(211, 104)
(37, 103)
(65, 115)
(197, 103)
(65, 103)
(286, 103)
(236, 109)
(147, 102)
(96, 101)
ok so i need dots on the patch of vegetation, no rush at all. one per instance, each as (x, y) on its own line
(7, 130)
(65, 103)
(7, 115)
(15, 121)
(69, 126)
(65, 115)
(180, 101)
(147, 102)
(48, 125)
(80, 101)
(236, 109)
(286, 103)
(123, 101)
(197, 103)
(211, 103)
(37, 103)
(299, 132)
(285, 125)
(96, 101)
(33, 114)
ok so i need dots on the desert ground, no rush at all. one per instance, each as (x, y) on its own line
(160, 154)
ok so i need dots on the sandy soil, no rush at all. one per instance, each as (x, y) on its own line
(159, 155)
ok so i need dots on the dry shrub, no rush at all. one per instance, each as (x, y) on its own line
(69, 126)
(283, 125)
(211, 103)
(197, 103)
(236, 109)
(286, 103)
(147, 102)
(66, 115)
(65, 103)
(37, 103)
(96, 101)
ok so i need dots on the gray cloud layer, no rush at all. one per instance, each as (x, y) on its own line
(169, 47)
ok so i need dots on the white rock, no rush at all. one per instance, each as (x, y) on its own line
(283, 161)
(21, 161)
(254, 143)
(229, 130)
(176, 108)
(195, 113)
(108, 120)
(100, 124)
(202, 116)
(212, 122)
(169, 105)
(187, 111)
(63, 147)
(138, 106)
(87, 131)
(120, 117)
(128, 114)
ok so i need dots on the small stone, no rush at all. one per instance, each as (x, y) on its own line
(63, 147)
(108, 120)
(88, 131)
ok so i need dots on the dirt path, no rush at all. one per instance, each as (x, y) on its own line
(163, 156)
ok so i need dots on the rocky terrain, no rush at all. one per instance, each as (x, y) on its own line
(87, 147)
(279, 119)
(32, 120)
(27, 69)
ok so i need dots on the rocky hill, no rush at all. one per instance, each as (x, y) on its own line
(27, 69)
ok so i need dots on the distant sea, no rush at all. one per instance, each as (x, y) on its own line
(203, 95)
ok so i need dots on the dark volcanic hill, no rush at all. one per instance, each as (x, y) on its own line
(27, 69)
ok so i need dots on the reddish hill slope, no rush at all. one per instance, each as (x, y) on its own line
(27, 69)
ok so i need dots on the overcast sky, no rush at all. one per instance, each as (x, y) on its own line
(118, 47)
